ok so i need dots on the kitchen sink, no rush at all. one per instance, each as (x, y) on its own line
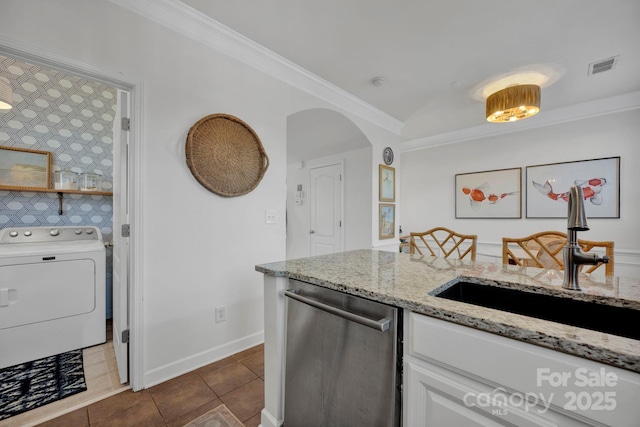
(621, 321)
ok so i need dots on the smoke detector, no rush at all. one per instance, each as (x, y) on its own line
(377, 81)
(602, 66)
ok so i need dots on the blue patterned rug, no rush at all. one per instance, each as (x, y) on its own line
(30, 385)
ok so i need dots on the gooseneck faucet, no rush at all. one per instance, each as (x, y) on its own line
(572, 253)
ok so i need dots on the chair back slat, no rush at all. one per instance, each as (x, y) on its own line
(545, 250)
(441, 240)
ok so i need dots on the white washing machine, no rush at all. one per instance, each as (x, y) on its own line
(52, 291)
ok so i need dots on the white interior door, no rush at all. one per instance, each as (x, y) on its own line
(326, 210)
(120, 239)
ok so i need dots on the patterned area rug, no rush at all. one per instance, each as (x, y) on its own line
(30, 385)
(220, 416)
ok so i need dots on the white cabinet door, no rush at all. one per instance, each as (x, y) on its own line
(437, 397)
(430, 406)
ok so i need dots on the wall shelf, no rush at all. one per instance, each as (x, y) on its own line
(60, 192)
(91, 193)
(54, 190)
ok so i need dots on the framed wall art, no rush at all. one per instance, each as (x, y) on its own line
(548, 188)
(387, 183)
(387, 221)
(25, 169)
(489, 194)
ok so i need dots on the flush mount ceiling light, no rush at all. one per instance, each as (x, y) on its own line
(6, 96)
(513, 103)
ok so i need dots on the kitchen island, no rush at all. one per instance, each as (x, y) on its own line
(406, 281)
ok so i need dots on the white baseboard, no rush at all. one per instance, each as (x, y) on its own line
(190, 363)
(267, 420)
(390, 247)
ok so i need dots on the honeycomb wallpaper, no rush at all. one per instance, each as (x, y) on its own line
(72, 118)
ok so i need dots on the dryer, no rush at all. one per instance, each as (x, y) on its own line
(52, 291)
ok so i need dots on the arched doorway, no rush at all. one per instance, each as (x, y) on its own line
(324, 143)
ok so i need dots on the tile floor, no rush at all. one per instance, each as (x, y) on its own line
(237, 381)
(101, 376)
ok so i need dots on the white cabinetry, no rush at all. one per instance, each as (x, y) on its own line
(459, 376)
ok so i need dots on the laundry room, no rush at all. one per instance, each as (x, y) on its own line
(66, 121)
(72, 118)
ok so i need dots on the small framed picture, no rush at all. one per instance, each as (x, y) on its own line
(387, 184)
(548, 188)
(24, 169)
(489, 194)
(387, 221)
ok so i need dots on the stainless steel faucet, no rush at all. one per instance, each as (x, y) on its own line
(572, 253)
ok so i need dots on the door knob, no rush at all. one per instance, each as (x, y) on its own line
(312, 231)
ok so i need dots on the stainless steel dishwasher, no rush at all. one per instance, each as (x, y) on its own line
(342, 363)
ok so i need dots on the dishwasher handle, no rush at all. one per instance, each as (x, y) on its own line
(381, 325)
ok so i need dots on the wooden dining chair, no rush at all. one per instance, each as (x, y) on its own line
(443, 242)
(544, 250)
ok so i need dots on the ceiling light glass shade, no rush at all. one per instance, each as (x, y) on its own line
(6, 96)
(513, 103)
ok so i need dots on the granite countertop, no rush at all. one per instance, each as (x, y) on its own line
(405, 281)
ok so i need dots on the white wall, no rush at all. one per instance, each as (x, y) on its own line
(428, 178)
(357, 202)
(198, 249)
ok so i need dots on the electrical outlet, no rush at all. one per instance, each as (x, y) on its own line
(221, 314)
(270, 217)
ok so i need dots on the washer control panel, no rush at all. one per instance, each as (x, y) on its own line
(49, 234)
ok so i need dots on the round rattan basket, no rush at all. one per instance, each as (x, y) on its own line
(225, 155)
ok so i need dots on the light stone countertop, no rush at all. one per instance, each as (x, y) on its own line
(404, 281)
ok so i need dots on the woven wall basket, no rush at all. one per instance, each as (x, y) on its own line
(225, 155)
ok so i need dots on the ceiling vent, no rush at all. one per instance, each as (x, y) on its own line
(602, 66)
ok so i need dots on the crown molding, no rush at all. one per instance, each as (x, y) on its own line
(600, 107)
(37, 55)
(197, 26)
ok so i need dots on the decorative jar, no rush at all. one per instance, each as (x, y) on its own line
(90, 182)
(65, 179)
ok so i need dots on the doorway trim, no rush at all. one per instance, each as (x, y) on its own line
(34, 54)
